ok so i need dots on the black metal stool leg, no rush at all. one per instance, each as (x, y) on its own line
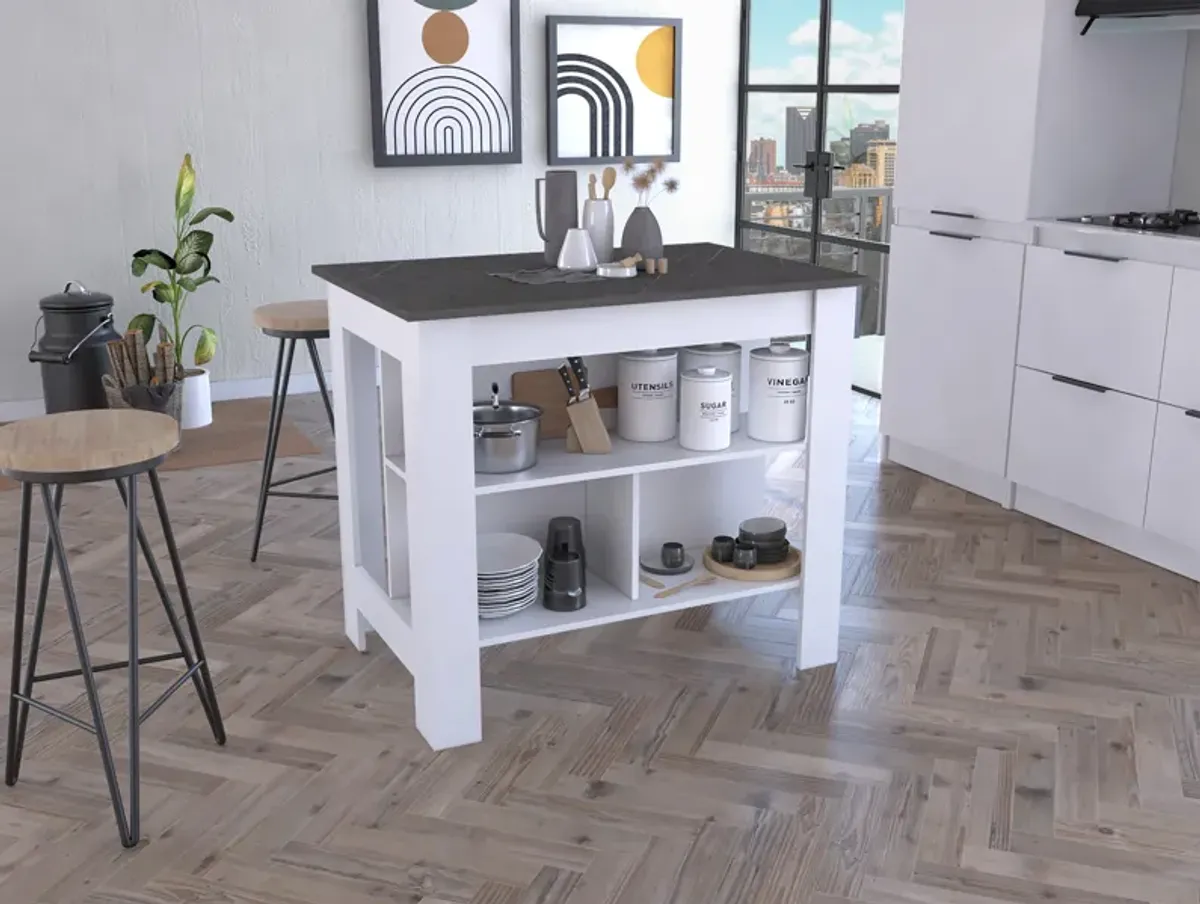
(315, 357)
(210, 711)
(278, 401)
(135, 710)
(11, 761)
(189, 614)
(89, 679)
(35, 640)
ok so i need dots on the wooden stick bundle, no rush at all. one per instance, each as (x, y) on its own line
(130, 362)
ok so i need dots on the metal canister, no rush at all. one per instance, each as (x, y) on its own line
(778, 393)
(646, 395)
(726, 356)
(69, 344)
(705, 396)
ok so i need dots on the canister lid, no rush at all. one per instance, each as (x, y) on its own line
(714, 348)
(651, 354)
(706, 375)
(779, 351)
(76, 297)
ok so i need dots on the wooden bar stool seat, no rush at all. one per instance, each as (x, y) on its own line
(289, 322)
(83, 447)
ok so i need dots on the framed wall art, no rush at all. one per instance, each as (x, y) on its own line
(445, 81)
(613, 89)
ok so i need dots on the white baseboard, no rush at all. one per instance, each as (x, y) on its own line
(990, 486)
(253, 388)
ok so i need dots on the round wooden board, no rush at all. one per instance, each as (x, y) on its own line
(788, 568)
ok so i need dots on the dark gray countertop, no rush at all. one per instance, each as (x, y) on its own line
(448, 288)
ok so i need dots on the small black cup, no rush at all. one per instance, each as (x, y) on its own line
(565, 590)
(745, 555)
(673, 555)
(722, 549)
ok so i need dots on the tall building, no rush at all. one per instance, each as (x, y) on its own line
(857, 175)
(840, 149)
(801, 134)
(762, 158)
(881, 157)
(863, 134)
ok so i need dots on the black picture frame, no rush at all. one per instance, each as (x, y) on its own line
(382, 156)
(552, 25)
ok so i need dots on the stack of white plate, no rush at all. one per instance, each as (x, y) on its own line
(509, 566)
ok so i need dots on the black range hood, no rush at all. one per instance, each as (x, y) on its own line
(1133, 9)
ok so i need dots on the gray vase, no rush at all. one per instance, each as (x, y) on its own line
(642, 234)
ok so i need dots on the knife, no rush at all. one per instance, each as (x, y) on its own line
(565, 373)
(581, 375)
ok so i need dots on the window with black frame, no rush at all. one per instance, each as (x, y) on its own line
(819, 134)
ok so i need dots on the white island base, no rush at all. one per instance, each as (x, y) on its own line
(411, 503)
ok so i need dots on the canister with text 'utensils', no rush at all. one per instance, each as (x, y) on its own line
(705, 394)
(778, 393)
(724, 356)
(646, 396)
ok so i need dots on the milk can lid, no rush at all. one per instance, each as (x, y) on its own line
(76, 297)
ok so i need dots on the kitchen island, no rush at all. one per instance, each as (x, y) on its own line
(413, 342)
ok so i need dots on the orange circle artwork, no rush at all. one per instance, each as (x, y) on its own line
(445, 37)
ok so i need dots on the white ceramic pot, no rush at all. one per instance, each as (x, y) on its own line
(646, 401)
(705, 397)
(598, 221)
(726, 356)
(197, 400)
(778, 393)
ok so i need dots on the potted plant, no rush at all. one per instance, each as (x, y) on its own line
(186, 270)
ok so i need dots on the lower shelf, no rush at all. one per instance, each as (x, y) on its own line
(607, 605)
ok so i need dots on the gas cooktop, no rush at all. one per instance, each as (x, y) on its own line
(1181, 222)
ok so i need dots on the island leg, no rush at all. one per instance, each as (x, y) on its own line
(439, 454)
(829, 419)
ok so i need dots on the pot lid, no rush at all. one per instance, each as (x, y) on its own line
(652, 354)
(706, 375)
(487, 414)
(76, 297)
(779, 351)
(714, 348)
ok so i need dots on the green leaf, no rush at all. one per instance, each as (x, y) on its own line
(211, 212)
(206, 346)
(163, 294)
(195, 242)
(151, 257)
(190, 264)
(193, 284)
(185, 188)
(144, 324)
(151, 285)
(207, 266)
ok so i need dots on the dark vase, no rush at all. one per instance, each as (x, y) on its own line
(642, 234)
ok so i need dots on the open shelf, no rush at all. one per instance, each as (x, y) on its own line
(607, 605)
(558, 466)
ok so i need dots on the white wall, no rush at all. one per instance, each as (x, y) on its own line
(1185, 186)
(101, 99)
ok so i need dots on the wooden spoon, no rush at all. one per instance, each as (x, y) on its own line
(702, 581)
(592, 186)
(609, 179)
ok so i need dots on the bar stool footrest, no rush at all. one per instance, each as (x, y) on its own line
(108, 667)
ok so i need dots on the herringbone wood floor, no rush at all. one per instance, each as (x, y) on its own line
(1013, 717)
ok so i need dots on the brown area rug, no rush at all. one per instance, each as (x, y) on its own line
(237, 434)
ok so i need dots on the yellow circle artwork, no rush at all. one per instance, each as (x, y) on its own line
(656, 61)
(445, 38)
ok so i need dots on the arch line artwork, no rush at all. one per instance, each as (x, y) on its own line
(610, 102)
(469, 108)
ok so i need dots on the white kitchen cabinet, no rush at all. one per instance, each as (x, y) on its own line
(1000, 96)
(1094, 318)
(1173, 509)
(1181, 363)
(953, 304)
(1086, 446)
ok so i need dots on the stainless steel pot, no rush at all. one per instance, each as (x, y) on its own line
(506, 436)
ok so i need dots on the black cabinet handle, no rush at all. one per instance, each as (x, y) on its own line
(1082, 384)
(1192, 412)
(1096, 257)
(952, 213)
(953, 235)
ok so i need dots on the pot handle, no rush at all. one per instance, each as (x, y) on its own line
(480, 433)
(39, 357)
(537, 206)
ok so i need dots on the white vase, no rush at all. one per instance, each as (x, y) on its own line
(598, 221)
(197, 400)
(577, 252)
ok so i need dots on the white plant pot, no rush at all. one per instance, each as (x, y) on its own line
(197, 400)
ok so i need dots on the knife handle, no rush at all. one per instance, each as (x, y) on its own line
(580, 371)
(565, 373)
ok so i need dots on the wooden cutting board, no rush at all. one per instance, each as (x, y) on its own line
(545, 389)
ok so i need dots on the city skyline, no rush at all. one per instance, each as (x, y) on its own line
(866, 38)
